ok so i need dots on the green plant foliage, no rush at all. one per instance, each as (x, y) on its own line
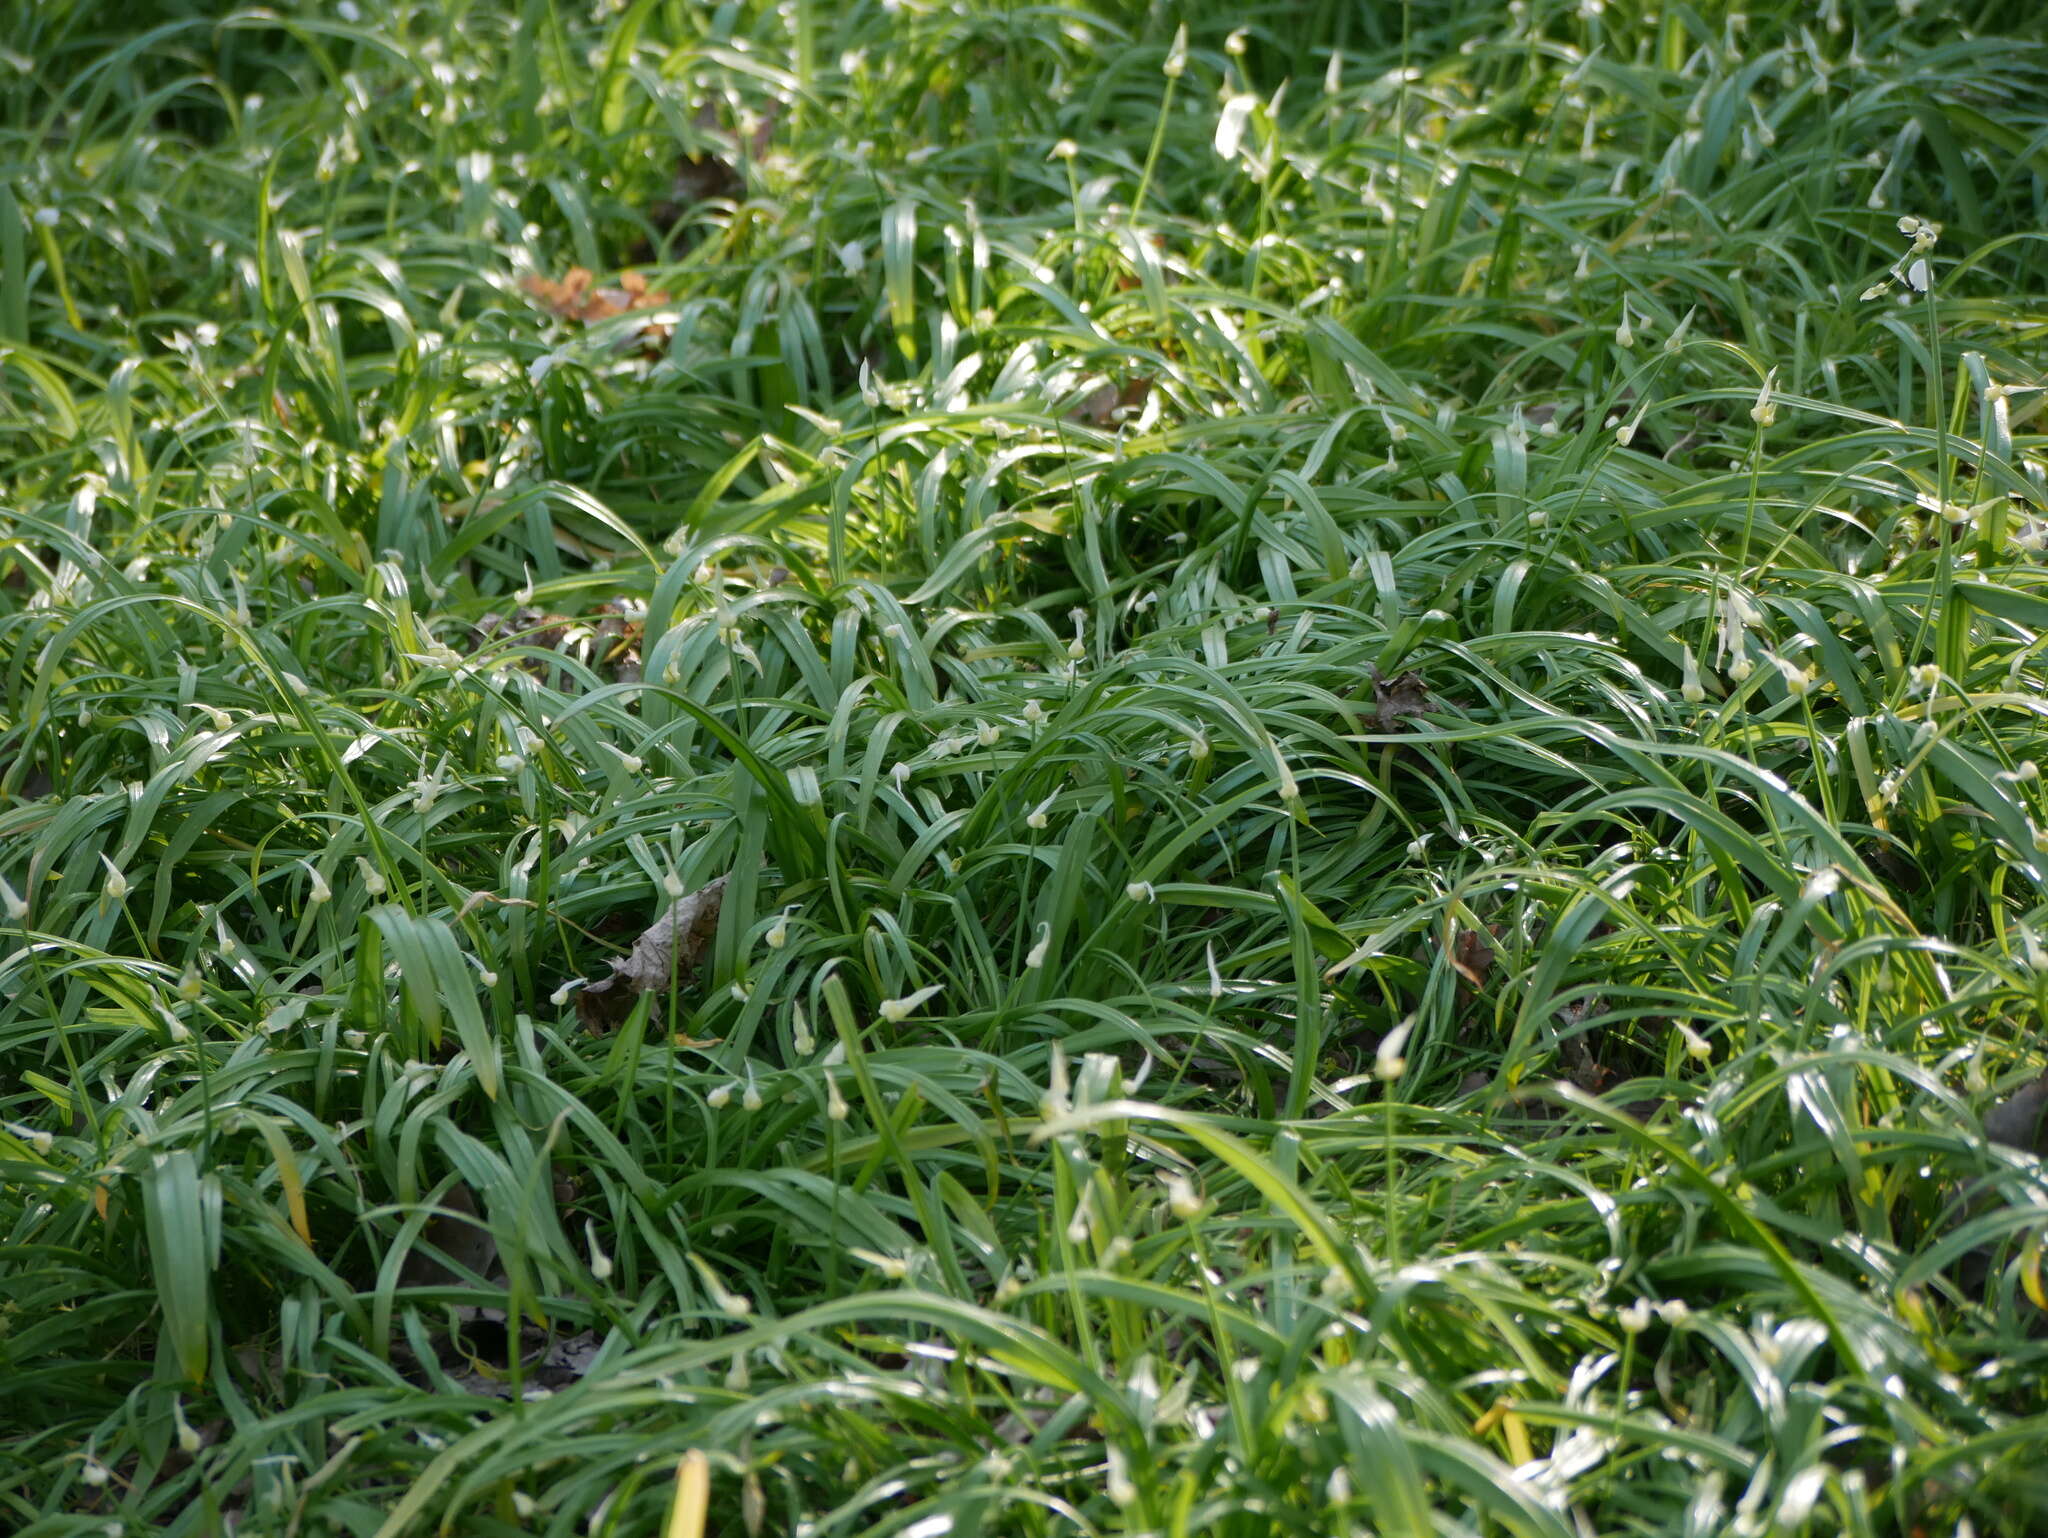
(1367, 682)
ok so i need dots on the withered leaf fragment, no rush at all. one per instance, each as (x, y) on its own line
(574, 299)
(1472, 956)
(1394, 699)
(670, 951)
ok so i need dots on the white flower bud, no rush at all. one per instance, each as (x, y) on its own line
(1122, 1493)
(896, 1011)
(1181, 1198)
(1690, 688)
(1176, 57)
(371, 877)
(892, 1267)
(1765, 411)
(1388, 1063)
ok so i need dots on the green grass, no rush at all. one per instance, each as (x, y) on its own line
(1138, 1083)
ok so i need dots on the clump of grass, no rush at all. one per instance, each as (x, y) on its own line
(1368, 695)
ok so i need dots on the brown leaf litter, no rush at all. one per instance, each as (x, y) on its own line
(574, 299)
(671, 950)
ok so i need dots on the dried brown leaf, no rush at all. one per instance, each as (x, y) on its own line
(1397, 698)
(670, 950)
(573, 298)
(1472, 956)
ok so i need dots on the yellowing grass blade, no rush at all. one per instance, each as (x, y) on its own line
(693, 1496)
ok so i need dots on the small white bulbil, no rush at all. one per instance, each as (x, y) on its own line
(1182, 1200)
(895, 1011)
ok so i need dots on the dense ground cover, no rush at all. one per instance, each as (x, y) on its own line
(1366, 692)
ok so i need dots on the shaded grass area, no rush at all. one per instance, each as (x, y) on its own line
(1368, 692)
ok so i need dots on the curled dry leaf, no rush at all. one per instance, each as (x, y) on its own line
(1395, 699)
(1472, 955)
(670, 951)
(573, 298)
